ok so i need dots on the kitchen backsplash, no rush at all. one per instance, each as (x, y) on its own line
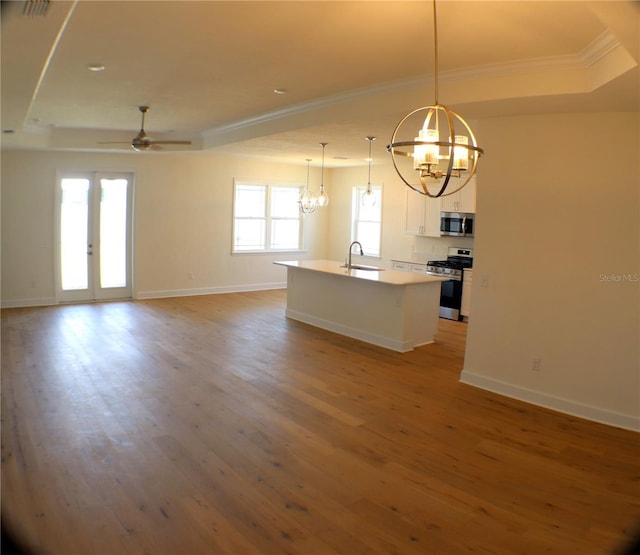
(435, 248)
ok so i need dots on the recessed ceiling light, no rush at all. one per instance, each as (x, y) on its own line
(95, 67)
(280, 91)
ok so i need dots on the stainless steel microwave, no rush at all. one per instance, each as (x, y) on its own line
(457, 224)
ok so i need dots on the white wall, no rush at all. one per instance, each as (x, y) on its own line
(182, 223)
(560, 208)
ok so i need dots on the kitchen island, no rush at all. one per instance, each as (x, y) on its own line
(392, 309)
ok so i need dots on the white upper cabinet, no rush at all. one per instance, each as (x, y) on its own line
(462, 201)
(423, 212)
(422, 215)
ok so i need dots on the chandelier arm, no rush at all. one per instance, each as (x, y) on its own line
(394, 146)
(390, 149)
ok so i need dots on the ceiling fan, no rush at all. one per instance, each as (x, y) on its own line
(142, 141)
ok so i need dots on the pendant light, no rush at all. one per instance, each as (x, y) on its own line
(308, 200)
(368, 198)
(323, 198)
(445, 152)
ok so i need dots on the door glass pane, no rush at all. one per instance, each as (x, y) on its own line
(74, 221)
(113, 233)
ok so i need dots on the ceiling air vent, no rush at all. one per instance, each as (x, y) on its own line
(35, 8)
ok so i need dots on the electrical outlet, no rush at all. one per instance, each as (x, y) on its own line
(190, 275)
(537, 362)
(484, 280)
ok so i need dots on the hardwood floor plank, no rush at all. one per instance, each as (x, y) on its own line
(214, 425)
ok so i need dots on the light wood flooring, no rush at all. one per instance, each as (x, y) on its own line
(214, 425)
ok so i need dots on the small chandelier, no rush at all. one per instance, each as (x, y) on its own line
(323, 198)
(445, 150)
(368, 198)
(308, 200)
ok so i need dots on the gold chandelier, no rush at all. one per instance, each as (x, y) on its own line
(445, 153)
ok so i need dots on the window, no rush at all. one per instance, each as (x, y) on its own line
(266, 217)
(366, 221)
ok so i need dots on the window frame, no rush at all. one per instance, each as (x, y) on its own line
(268, 187)
(356, 194)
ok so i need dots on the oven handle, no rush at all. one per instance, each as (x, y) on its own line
(449, 278)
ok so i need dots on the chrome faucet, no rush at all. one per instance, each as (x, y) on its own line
(349, 253)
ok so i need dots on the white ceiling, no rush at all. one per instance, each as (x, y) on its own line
(208, 70)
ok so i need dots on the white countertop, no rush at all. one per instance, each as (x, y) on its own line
(390, 277)
(409, 260)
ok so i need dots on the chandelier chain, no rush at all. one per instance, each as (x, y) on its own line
(435, 51)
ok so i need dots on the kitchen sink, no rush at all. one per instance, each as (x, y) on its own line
(361, 267)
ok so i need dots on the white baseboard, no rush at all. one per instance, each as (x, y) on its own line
(335, 327)
(209, 290)
(22, 303)
(50, 301)
(559, 404)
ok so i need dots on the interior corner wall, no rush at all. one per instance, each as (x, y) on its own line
(182, 223)
(556, 292)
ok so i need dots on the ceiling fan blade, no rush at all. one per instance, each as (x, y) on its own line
(142, 141)
(170, 142)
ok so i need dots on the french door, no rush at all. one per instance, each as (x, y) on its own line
(94, 236)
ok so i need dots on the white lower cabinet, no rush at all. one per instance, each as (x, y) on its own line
(408, 267)
(467, 279)
(401, 266)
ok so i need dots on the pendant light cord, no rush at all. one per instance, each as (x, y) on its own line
(370, 139)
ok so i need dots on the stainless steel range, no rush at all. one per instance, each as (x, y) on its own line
(451, 290)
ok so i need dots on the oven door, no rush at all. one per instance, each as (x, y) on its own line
(451, 299)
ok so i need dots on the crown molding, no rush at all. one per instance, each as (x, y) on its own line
(605, 43)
